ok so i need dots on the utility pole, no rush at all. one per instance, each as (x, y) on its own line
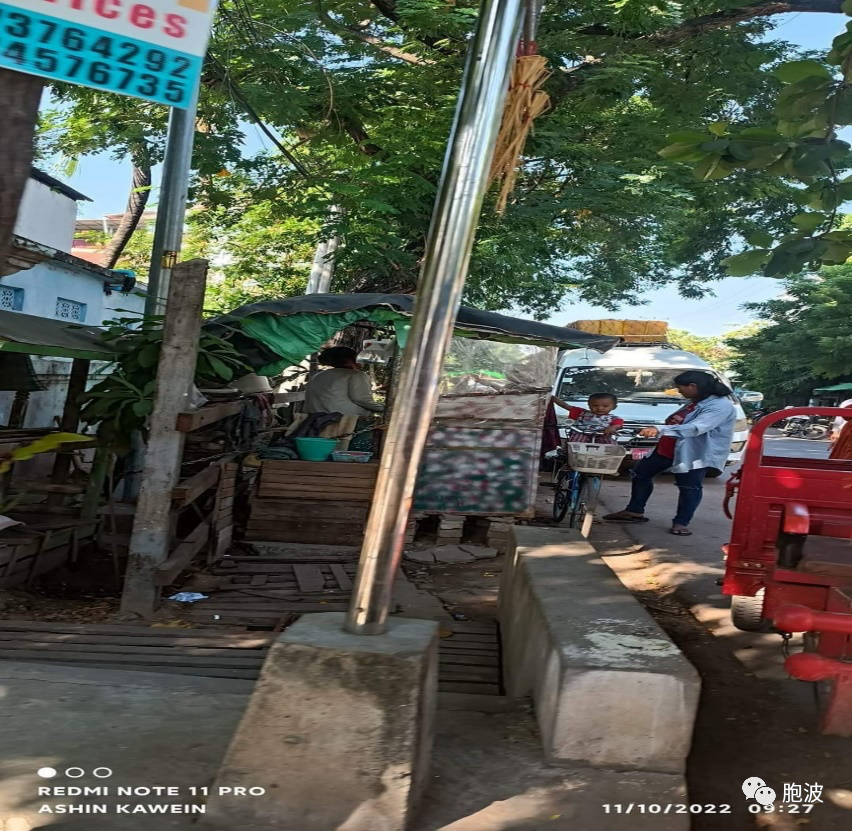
(456, 215)
(171, 209)
(322, 268)
(149, 542)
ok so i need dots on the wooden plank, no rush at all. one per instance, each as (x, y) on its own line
(225, 502)
(304, 509)
(469, 660)
(278, 609)
(207, 672)
(248, 641)
(190, 421)
(471, 637)
(234, 662)
(283, 566)
(45, 487)
(66, 627)
(314, 494)
(290, 468)
(248, 656)
(343, 524)
(329, 537)
(342, 578)
(342, 487)
(473, 626)
(183, 555)
(452, 672)
(309, 578)
(190, 489)
(301, 478)
(467, 687)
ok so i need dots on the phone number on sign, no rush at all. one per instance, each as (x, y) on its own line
(669, 808)
(53, 48)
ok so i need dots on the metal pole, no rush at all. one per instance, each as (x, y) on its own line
(457, 207)
(171, 209)
(322, 267)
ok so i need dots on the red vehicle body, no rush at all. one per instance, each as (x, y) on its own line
(788, 564)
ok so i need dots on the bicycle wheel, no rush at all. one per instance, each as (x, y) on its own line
(563, 494)
(583, 509)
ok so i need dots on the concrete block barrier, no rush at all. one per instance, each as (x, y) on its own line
(610, 688)
(338, 732)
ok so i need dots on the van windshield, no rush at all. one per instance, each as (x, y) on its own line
(626, 382)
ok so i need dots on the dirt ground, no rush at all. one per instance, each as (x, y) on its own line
(753, 721)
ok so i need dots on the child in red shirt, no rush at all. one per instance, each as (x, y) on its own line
(596, 424)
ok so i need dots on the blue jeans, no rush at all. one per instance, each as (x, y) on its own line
(690, 486)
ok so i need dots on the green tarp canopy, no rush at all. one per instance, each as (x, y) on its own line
(279, 333)
(835, 388)
(31, 335)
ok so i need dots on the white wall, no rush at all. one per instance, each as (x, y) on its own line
(44, 283)
(46, 216)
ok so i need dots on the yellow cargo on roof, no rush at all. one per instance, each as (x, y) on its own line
(631, 331)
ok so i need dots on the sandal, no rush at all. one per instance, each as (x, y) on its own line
(623, 516)
(680, 532)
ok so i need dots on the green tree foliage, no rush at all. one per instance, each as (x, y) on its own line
(802, 147)
(121, 404)
(712, 348)
(806, 342)
(355, 99)
(718, 350)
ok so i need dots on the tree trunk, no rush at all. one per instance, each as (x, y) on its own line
(136, 202)
(19, 99)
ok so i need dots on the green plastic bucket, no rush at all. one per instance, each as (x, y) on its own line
(315, 450)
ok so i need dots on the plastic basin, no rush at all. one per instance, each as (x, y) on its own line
(315, 450)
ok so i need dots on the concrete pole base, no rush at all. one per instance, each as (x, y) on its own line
(338, 732)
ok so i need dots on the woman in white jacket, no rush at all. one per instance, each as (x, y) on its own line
(694, 441)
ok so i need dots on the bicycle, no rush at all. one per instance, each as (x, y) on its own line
(578, 480)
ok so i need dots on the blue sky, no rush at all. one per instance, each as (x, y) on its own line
(105, 181)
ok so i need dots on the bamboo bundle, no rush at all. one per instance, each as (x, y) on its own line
(525, 101)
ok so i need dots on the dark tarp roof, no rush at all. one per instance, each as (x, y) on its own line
(33, 335)
(470, 323)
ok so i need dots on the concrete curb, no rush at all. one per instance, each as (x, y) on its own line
(610, 688)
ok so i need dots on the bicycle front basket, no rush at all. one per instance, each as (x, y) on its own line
(600, 459)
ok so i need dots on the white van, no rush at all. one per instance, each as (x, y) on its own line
(642, 377)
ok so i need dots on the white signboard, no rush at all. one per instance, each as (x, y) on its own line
(150, 49)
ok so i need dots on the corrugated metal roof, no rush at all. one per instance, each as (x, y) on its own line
(33, 335)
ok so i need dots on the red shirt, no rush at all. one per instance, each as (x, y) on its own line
(666, 444)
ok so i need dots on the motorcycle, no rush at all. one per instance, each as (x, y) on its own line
(758, 413)
(814, 428)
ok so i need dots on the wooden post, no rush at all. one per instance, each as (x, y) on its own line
(19, 409)
(97, 476)
(149, 542)
(69, 423)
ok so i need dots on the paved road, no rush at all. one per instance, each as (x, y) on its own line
(780, 445)
(694, 564)
(756, 720)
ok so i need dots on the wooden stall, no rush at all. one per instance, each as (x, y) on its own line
(316, 502)
(53, 514)
(482, 455)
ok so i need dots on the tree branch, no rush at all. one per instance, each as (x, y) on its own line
(370, 40)
(720, 20)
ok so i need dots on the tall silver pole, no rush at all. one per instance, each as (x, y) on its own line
(322, 267)
(457, 207)
(171, 208)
